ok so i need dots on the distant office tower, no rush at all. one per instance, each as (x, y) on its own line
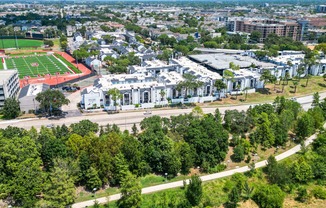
(321, 9)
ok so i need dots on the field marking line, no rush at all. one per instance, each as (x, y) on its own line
(42, 64)
(4, 64)
(28, 66)
(63, 63)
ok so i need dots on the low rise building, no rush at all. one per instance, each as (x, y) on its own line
(27, 95)
(9, 85)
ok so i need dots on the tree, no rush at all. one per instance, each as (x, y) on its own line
(295, 83)
(59, 189)
(321, 47)
(238, 153)
(11, 108)
(190, 82)
(234, 197)
(266, 76)
(316, 98)
(300, 71)
(162, 94)
(303, 195)
(48, 43)
(165, 55)
(269, 196)
(115, 95)
(84, 127)
(130, 192)
(307, 79)
(255, 36)
(302, 171)
(305, 126)
(134, 130)
(92, 179)
(194, 190)
(220, 85)
(236, 122)
(247, 191)
(51, 99)
(21, 177)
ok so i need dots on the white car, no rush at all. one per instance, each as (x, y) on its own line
(50, 126)
(148, 112)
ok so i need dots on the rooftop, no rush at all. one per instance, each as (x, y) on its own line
(6, 74)
(222, 61)
(33, 89)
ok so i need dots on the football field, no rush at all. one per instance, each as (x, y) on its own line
(36, 65)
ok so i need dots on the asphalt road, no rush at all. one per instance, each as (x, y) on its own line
(125, 120)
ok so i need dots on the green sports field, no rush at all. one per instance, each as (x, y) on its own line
(21, 43)
(1, 64)
(37, 65)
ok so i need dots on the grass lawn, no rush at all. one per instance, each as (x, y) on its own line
(36, 65)
(1, 64)
(315, 84)
(25, 54)
(215, 196)
(146, 181)
(22, 43)
(70, 65)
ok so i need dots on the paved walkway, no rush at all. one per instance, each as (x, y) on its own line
(214, 176)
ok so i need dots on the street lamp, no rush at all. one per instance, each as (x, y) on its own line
(94, 191)
(166, 176)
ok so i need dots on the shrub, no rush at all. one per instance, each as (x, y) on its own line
(319, 193)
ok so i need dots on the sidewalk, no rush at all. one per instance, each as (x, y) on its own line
(214, 176)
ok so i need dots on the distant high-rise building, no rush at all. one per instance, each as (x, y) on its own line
(290, 29)
(321, 9)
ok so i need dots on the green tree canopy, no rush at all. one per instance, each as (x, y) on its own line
(51, 99)
(130, 192)
(194, 191)
(11, 108)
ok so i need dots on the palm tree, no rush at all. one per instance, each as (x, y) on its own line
(286, 77)
(246, 92)
(295, 83)
(220, 85)
(300, 71)
(162, 93)
(307, 77)
(190, 82)
(266, 77)
(237, 87)
(273, 80)
(228, 75)
(115, 95)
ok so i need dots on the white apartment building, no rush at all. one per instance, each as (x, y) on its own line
(9, 85)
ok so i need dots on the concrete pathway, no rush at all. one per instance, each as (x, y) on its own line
(214, 176)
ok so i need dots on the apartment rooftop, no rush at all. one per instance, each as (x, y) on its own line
(5, 75)
(170, 78)
(197, 69)
(222, 61)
